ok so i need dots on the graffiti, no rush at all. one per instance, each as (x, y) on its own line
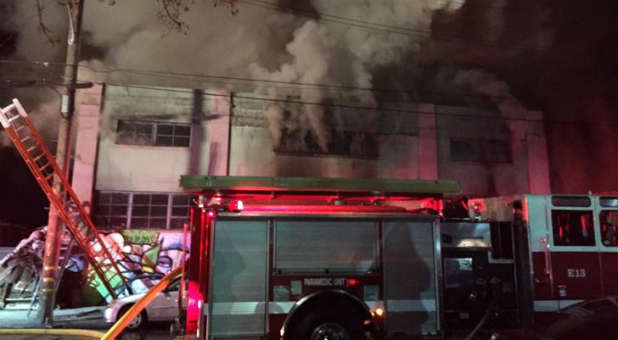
(143, 258)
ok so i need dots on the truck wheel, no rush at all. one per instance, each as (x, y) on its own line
(138, 322)
(330, 326)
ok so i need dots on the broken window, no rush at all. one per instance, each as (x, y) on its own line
(132, 132)
(572, 228)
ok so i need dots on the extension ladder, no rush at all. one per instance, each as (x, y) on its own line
(43, 166)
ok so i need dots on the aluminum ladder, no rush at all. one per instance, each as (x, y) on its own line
(43, 166)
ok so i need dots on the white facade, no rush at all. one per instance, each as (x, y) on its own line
(125, 146)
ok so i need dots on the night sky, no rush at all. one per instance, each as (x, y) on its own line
(558, 56)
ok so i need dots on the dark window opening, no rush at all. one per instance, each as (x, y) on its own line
(572, 228)
(344, 143)
(609, 227)
(481, 151)
(570, 201)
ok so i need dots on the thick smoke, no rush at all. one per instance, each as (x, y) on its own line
(485, 83)
(258, 42)
(323, 52)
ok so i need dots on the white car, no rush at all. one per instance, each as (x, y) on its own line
(164, 307)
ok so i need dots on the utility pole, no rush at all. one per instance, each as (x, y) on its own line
(55, 226)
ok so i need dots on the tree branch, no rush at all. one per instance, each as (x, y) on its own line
(42, 27)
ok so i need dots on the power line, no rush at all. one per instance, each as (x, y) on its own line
(226, 79)
(338, 19)
(223, 79)
(373, 26)
(366, 108)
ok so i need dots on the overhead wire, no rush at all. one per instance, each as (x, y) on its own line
(225, 79)
(361, 107)
(381, 27)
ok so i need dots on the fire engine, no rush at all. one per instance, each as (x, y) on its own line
(303, 258)
(308, 258)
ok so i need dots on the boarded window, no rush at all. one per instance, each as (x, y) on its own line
(334, 246)
(132, 132)
(572, 228)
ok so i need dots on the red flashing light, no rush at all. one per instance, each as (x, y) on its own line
(211, 214)
(236, 206)
(194, 299)
(352, 282)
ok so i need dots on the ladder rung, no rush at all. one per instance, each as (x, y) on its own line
(49, 177)
(44, 166)
(28, 137)
(19, 128)
(31, 148)
(38, 157)
(13, 118)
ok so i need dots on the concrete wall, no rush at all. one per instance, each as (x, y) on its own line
(409, 141)
(396, 138)
(525, 172)
(88, 116)
(152, 168)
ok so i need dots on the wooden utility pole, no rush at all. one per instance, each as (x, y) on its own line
(63, 150)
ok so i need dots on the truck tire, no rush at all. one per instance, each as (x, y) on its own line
(138, 322)
(332, 325)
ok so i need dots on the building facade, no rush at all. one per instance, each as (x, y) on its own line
(133, 143)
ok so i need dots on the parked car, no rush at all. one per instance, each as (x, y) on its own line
(163, 308)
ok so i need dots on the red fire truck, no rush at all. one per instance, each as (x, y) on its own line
(572, 244)
(306, 258)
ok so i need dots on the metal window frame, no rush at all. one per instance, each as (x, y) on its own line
(155, 132)
(131, 204)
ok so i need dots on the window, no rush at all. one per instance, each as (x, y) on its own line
(141, 210)
(609, 227)
(610, 202)
(149, 211)
(131, 132)
(572, 228)
(180, 210)
(345, 143)
(570, 201)
(110, 209)
(469, 150)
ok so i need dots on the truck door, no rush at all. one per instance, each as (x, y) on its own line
(411, 265)
(574, 250)
(238, 272)
(608, 234)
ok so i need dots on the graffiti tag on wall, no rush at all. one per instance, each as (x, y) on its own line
(143, 257)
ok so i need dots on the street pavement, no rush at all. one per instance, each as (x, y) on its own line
(80, 318)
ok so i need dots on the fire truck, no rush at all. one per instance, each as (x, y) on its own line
(572, 246)
(308, 258)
